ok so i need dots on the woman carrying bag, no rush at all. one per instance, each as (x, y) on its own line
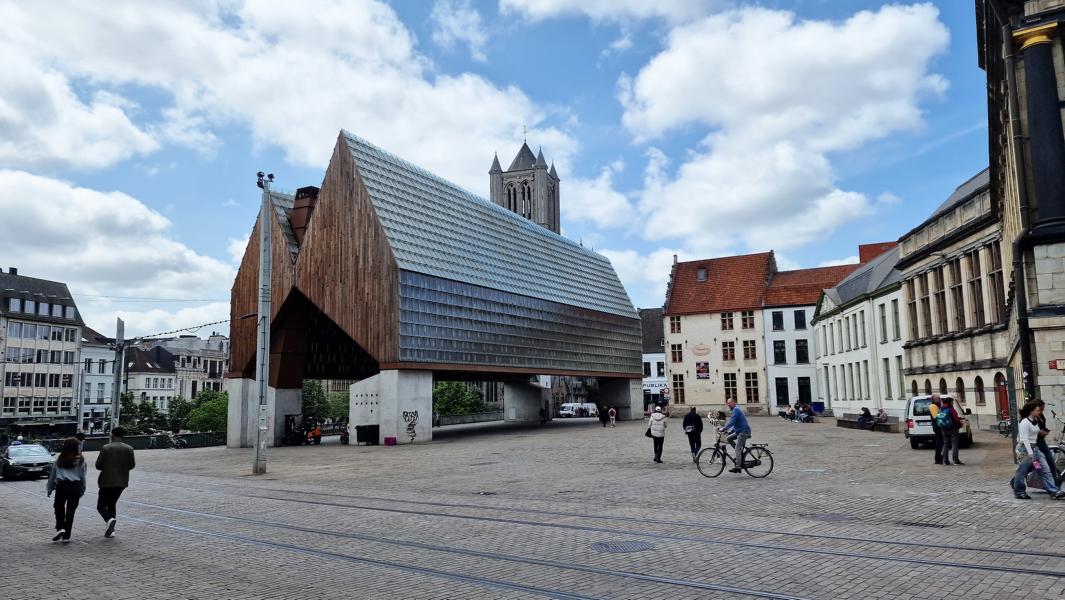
(67, 480)
(656, 430)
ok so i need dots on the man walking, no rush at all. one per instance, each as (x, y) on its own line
(114, 463)
(693, 427)
(933, 410)
(739, 430)
(613, 415)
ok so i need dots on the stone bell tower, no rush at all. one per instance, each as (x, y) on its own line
(528, 187)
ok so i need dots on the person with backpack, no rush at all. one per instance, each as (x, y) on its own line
(933, 411)
(67, 480)
(114, 462)
(604, 418)
(693, 427)
(1031, 457)
(950, 425)
(1044, 448)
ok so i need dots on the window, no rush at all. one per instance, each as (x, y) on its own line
(29, 307)
(27, 355)
(71, 335)
(730, 387)
(887, 378)
(88, 365)
(86, 394)
(57, 334)
(14, 330)
(65, 405)
(957, 294)
(71, 313)
(778, 320)
(39, 379)
(782, 391)
(42, 309)
(700, 274)
(56, 357)
(780, 353)
(805, 394)
(832, 337)
(800, 319)
(38, 405)
(100, 389)
(53, 404)
(661, 369)
(913, 387)
(940, 296)
(42, 356)
(53, 380)
(674, 324)
(747, 317)
(883, 323)
(978, 387)
(824, 339)
(898, 374)
(14, 305)
(802, 352)
(840, 392)
(750, 350)
(895, 328)
(10, 403)
(994, 281)
(57, 310)
(865, 372)
(676, 353)
(750, 381)
(861, 319)
(728, 350)
(646, 369)
(101, 365)
(959, 390)
(726, 321)
(848, 379)
(68, 358)
(942, 386)
(847, 335)
(828, 384)
(12, 355)
(12, 379)
(927, 386)
(926, 304)
(43, 331)
(976, 289)
(29, 331)
(911, 304)
(678, 388)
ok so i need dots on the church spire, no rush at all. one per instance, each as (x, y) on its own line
(552, 172)
(540, 162)
(495, 166)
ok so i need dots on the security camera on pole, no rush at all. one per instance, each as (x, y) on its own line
(262, 363)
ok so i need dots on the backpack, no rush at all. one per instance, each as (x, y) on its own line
(943, 419)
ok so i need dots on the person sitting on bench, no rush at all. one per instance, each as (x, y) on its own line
(865, 420)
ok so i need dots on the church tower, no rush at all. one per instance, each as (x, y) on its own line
(528, 187)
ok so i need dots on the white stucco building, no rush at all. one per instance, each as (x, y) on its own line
(97, 379)
(859, 326)
(150, 377)
(654, 356)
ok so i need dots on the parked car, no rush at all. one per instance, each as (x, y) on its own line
(578, 409)
(919, 422)
(25, 460)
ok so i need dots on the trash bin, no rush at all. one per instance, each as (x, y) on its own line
(817, 407)
(368, 434)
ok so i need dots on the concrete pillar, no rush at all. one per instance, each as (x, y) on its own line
(522, 402)
(243, 415)
(399, 402)
(625, 395)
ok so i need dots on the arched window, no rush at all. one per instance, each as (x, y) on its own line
(978, 386)
(927, 386)
(942, 386)
(1002, 395)
(959, 391)
(512, 198)
(913, 387)
(526, 200)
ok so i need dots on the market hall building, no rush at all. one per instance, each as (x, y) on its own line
(394, 277)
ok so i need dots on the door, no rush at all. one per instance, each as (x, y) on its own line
(1002, 394)
(804, 390)
(782, 391)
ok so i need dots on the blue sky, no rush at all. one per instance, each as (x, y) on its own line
(696, 128)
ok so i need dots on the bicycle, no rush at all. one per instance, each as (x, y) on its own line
(1005, 424)
(757, 459)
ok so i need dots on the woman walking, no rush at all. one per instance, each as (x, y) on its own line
(950, 424)
(656, 426)
(67, 480)
(1031, 457)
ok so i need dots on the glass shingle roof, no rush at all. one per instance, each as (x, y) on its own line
(437, 228)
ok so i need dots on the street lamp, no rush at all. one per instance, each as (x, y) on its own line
(262, 363)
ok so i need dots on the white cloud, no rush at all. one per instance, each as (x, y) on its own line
(457, 21)
(293, 73)
(777, 97)
(645, 275)
(609, 10)
(596, 201)
(230, 203)
(236, 248)
(105, 244)
(888, 199)
(847, 260)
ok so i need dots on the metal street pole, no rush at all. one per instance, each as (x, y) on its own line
(120, 362)
(262, 364)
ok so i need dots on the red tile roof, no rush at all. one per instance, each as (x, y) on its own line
(867, 252)
(732, 283)
(803, 286)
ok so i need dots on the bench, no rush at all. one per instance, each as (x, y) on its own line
(850, 421)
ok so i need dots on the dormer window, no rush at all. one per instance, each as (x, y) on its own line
(701, 274)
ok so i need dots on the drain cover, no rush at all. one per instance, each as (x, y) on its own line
(620, 547)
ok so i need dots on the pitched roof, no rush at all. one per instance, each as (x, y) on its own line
(803, 286)
(877, 274)
(283, 204)
(37, 290)
(540, 162)
(963, 192)
(156, 360)
(495, 165)
(91, 337)
(732, 283)
(651, 320)
(523, 160)
(437, 228)
(867, 252)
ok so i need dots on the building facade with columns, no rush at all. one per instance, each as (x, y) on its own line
(1021, 51)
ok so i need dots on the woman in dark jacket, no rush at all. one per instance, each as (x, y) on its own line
(67, 480)
(693, 426)
(604, 416)
(951, 434)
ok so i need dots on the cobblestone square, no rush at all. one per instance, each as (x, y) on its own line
(570, 510)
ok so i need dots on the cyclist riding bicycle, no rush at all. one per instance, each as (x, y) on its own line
(739, 430)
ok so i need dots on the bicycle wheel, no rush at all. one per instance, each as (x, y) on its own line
(758, 462)
(710, 462)
(1004, 428)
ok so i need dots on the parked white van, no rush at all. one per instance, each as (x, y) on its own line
(919, 422)
(570, 409)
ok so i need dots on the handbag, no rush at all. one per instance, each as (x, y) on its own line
(1034, 480)
(648, 432)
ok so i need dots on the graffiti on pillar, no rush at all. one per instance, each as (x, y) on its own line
(411, 418)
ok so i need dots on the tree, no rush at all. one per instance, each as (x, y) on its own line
(315, 403)
(129, 415)
(339, 405)
(149, 417)
(210, 412)
(454, 398)
(206, 396)
(178, 416)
